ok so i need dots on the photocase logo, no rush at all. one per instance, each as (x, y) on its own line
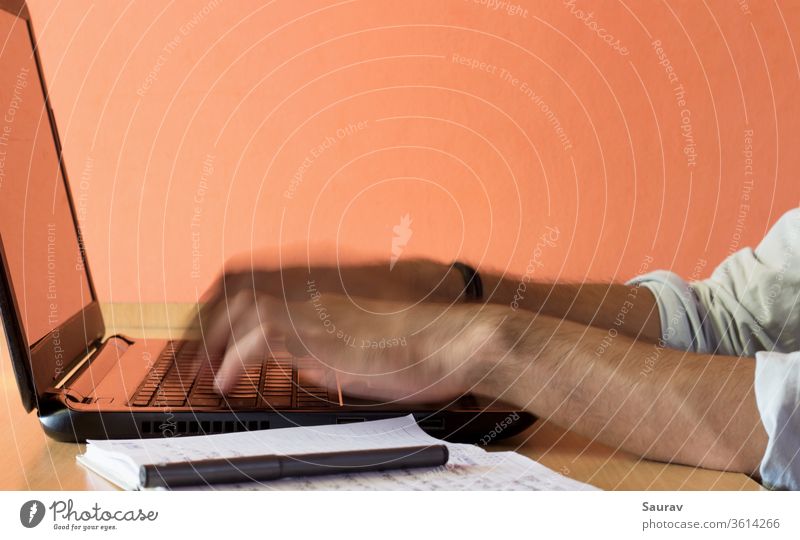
(31, 513)
(402, 234)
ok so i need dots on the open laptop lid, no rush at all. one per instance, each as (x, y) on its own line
(48, 303)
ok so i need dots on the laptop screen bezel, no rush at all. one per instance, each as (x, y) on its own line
(36, 365)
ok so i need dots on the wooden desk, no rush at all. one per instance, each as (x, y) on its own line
(33, 461)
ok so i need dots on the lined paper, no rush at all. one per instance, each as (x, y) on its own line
(469, 467)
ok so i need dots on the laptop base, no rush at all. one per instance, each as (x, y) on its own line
(64, 423)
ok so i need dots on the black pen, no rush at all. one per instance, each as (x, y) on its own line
(272, 467)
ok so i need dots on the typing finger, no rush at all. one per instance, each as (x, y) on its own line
(248, 341)
(249, 348)
(224, 320)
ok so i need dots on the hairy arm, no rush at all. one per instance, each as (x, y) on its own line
(582, 356)
(630, 310)
(659, 403)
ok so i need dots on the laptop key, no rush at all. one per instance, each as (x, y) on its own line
(169, 403)
(308, 377)
(203, 402)
(234, 403)
(278, 401)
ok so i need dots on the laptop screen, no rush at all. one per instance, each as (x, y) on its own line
(38, 235)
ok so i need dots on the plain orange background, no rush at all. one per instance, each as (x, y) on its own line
(184, 123)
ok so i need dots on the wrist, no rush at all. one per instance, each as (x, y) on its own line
(436, 281)
(438, 341)
(453, 286)
(473, 285)
(505, 353)
(469, 342)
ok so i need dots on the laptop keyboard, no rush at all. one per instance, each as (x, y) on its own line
(184, 377)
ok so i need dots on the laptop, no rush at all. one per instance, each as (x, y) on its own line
(85, 384)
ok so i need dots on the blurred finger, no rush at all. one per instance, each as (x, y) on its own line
(248, 340)
(250, 347)
(223, 321)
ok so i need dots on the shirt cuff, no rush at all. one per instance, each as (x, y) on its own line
(777, 387)
(681, 323)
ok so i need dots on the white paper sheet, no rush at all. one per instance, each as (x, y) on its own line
(469, 467)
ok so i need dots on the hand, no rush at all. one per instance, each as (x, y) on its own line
(231, 302)
(378, 349)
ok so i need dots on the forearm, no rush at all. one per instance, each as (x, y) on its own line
(626, 309)
(658, 403)
(630, 310)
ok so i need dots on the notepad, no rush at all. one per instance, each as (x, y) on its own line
(469, 467)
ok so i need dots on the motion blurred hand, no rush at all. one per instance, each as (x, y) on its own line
(411, 281)
(381, 350)
(322, 311)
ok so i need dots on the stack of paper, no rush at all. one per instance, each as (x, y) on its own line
(469, 467)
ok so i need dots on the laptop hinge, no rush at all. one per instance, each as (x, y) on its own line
(60, 388)
(91, 350)
(81, 380)
(69, 394)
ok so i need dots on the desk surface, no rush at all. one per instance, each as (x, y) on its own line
(33, 461)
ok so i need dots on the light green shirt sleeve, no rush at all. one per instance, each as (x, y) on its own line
(750, 303)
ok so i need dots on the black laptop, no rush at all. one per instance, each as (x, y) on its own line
(85, 384)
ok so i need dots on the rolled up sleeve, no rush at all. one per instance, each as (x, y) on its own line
(750, 303)
(680, 313)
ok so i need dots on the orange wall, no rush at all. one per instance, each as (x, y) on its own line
(184, 125)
